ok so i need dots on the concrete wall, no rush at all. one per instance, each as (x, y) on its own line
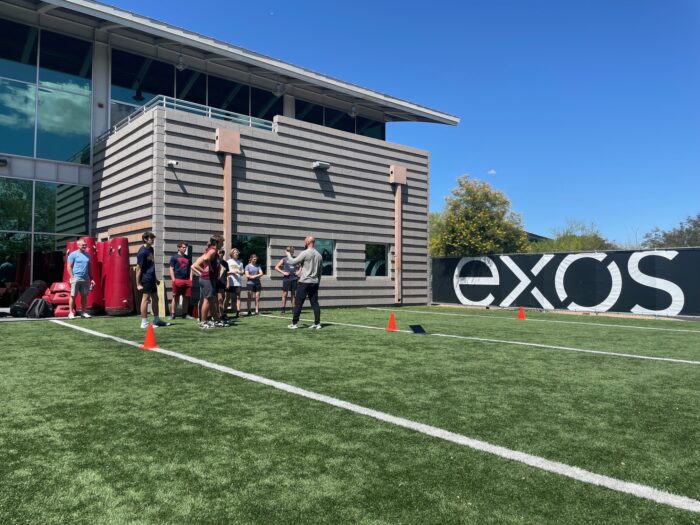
(276, 193)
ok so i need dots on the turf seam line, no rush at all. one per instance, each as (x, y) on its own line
(579, 474)
(607, 325)
(524, 343)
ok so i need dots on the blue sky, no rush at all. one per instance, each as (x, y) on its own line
(584, 110)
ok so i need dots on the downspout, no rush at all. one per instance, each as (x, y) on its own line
(397, 178)
(227, 142)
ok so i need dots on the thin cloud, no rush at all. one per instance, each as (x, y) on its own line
(491, 172)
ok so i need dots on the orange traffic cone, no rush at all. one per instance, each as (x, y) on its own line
(150, 342)
(391, 327)
(521, 314)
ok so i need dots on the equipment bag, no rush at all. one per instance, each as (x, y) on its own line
(19, 308)
(40, 309)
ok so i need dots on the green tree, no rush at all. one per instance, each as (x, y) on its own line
(687, 233)
(477, 220)
(574, 237)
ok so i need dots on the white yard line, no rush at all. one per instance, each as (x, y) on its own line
(608, 325)
(523, 343)
(635, 489)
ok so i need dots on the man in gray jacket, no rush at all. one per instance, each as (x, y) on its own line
(311, 266)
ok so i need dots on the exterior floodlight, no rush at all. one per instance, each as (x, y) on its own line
(353, 111)
(180, 66)
(320, 165)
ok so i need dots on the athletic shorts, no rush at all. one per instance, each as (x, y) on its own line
(78, 286)
(221, 286)
(290, 285)
(254, 286)
(149, 287)
(236, 290)
(206, 289)
(182, 287)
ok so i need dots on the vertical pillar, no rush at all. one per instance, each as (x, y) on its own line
(397, 178)
(289, 107)
(227, 142)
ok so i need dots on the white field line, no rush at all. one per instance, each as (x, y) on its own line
(608, 325)
(635, 489)
(523, 343)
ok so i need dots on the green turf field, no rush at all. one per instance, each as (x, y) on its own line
(97, 431)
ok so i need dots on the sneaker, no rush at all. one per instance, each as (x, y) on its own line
(85, 315)
(293, 326)
(71, 315)
(238, 314)
(220, 324)
(188, 317)
(160, 322)
(172, 317)
(144, 325)
(256, 313)
(315, 326)
(204, 326)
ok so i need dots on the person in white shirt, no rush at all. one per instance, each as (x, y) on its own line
(235, 270)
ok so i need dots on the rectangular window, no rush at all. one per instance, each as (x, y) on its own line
(229, 95)
(119, 111)
(191, 85)
(16, 209)
(249, 245)
(308, 112)
(326, 248)
(61, 208)
(337, 119)
(65, 63)
(265, 104)
(137, 79)
(17, 117)
(64, 126)
(376, 260)
(48, 257)
(18, 51)
(371, 128)
(15, 252)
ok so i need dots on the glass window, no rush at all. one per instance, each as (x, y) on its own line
(192, 86)
(16, 199)
(18, 51)
(61, 208)
(229, 95)
(14, 265)
(119, 111)
(337, 119)
(325, 248)
(65, 63)
(308, 112)
(64, 126)
(137, 79)
(17, 117)
(370, 128)
(265, 104)
(376, 264)
(249, 245)
(49, 253)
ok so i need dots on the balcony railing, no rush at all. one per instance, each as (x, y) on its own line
(190, 107)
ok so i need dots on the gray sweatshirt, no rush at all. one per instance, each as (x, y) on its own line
(311, 265)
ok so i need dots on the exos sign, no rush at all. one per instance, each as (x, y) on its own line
(645, 282)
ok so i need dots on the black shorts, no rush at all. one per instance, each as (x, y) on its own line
(289, 285)
(206, 289)
(254, 287)
(149, 287)
(236, 290)
(220, 286)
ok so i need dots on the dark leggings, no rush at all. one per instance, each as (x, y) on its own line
(305, 290)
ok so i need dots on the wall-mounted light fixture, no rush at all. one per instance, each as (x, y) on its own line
(320, 165)
(353, 111)
(180, 66)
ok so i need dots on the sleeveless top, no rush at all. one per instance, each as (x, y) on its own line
(289, 268)
(210, 269)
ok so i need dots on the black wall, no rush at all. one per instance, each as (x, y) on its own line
(664, 282)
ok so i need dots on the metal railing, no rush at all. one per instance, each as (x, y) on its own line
(190, 107)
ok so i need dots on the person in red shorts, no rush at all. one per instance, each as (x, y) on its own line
(181, 279)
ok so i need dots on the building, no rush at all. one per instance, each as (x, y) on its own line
(112, 123)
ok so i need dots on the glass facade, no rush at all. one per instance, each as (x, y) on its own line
(337, 119)
(376, 260)
(36, 220)
(249, 245)
(326, 248)
(45, 94)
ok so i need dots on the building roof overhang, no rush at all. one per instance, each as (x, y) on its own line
(110, 19)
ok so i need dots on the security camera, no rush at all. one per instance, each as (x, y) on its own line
(320, 165)
(173, 163)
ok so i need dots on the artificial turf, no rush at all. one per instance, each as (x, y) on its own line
(95, 431)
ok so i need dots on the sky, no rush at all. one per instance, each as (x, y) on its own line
(576, 110)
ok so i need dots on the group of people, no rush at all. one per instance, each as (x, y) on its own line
(220, 282)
